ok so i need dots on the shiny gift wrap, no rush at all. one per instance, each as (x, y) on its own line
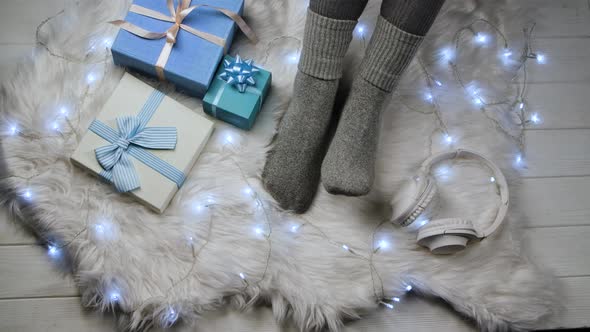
(192, 59)
(237, 92)
(143, 142)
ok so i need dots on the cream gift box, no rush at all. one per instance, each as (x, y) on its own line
(134, 101)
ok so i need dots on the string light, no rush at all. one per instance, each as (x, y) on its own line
(258, 231)
(90, 78)
(447, 54)
(388, 305)
(242, 275)
(114, 296)
(170, 317)
(383, 244)
(13, 130)
(541, 58)
(294, 228)
(449, 139)
(409, 288)
(481, 38)
(518, 160)
(360, 30)
(55, 126)
(507, 53)
(27, 194)
(293, 58)
(52, 250)
(428, 96)
(438, 83)
(247, 191)
(63, 111)
(492, 179)
(535, 118)
(345, 247)
(395, 299)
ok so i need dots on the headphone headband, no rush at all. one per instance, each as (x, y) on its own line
(500, 181)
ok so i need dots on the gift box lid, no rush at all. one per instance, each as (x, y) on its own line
(227, 103)
(193, 60)
(193, 131)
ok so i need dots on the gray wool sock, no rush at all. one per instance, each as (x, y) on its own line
(348, 168)
(292, 170)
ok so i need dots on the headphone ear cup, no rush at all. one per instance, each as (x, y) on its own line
(446, 236)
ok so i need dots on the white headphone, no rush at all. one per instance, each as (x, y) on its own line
(449, 235)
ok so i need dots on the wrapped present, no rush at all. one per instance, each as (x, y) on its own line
(237, 92)
(143, 142)
(179, 41)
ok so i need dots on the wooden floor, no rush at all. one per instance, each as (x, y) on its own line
(556, 194)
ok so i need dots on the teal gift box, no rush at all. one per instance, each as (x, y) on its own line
(224, 100)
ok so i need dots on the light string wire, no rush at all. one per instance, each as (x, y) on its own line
(379, 291)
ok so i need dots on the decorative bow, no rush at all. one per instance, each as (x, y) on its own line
(131, 136)
(239, 73)
(177, 15)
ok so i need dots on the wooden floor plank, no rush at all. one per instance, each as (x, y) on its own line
(551, 202)
(559, 18)
(66, 314)
(50, 315)
(559, 105)
(566, 60)
(562, 250)
(11, 232)
(557, 153)
(27, 271)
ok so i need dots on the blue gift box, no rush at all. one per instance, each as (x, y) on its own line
(193, 60)
(225, 102)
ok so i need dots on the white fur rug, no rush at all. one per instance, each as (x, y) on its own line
(220, 244)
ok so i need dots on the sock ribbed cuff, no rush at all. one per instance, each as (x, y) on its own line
(389, 52)
(325, 43)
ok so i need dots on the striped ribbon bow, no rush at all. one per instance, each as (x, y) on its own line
(132, 139)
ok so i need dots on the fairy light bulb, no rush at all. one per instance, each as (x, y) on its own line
(408, 288)
(242, 276)
(293, 58)
(27, 194)
(481, 38)
(258, 231)
(294, 228)
(541, 59)
(13, 130)
(90, 78)
(63, 111)
(507, 52)
(388, 305)
(170, 317)
(521, 106)
(428, 97)
(345, 247)
(518, 160)
(52, 250)
(449, 139)
(447, 54)
(55, 126)
(383, 244)
(395, 299)
(360, 30)
(535, 118)
(492, 179)
(438, 83)
(114, 296)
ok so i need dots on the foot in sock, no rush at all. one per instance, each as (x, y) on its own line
(348, 168)
(292, 170)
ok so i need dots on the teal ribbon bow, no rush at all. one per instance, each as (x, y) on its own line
(131, 140)
(239, 73)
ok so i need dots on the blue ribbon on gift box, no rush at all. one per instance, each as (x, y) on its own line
(131, 140)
